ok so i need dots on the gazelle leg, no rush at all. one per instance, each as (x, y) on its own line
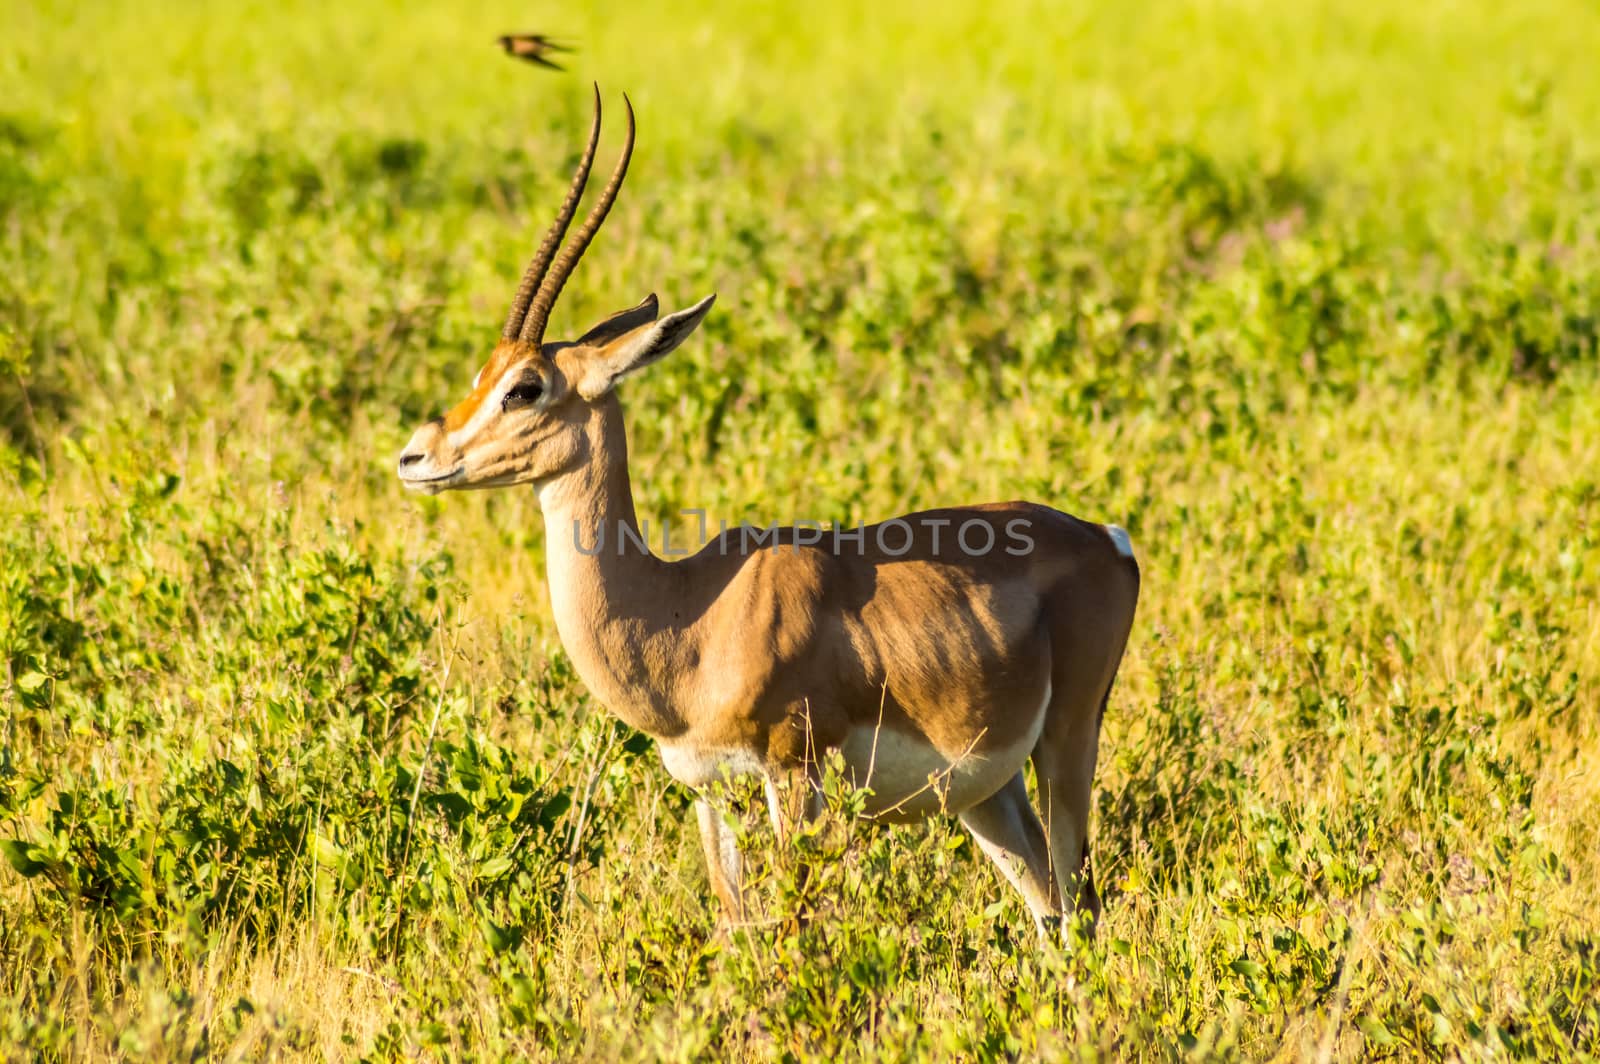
(1087, 654)
(724, 863)
(1008, 830)
(1066, 778)
(793, 801)
(792, 805)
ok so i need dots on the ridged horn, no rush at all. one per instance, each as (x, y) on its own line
(549, 288)
(540, 263)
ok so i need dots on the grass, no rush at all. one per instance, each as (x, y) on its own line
(1307, 297)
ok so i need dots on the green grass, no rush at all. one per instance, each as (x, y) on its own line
(1306, 296)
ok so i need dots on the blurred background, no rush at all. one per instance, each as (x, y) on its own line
(1307, 296)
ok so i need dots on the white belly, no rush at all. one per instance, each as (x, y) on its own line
(910, 778)
(698, 766)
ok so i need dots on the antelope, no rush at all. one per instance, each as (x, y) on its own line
(935, 670)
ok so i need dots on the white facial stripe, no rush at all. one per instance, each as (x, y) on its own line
(490, 407)
(465, 432)
(486, 409)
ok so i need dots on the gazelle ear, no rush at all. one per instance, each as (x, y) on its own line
(620, 322)
(638, 348)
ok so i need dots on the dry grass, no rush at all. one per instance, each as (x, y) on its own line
(1304, 297)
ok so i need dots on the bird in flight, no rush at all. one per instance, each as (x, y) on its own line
(533, 47)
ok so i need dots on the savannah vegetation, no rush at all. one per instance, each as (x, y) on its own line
(1306, 296)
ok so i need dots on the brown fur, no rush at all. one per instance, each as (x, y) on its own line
(757, 657)
(780, 650)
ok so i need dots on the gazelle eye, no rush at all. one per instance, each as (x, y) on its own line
(522, 394)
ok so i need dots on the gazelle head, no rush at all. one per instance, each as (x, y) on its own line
(524, 420)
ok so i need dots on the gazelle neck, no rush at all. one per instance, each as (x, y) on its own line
(612, 598)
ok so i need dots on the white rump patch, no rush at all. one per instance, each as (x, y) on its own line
(1121, 539)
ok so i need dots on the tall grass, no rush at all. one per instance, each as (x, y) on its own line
(1306, 296)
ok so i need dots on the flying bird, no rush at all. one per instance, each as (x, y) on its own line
(532, 47)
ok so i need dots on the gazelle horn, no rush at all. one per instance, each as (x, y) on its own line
(540, 263)
(550, 287)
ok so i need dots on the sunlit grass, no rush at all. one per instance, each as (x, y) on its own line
(1306, 296)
